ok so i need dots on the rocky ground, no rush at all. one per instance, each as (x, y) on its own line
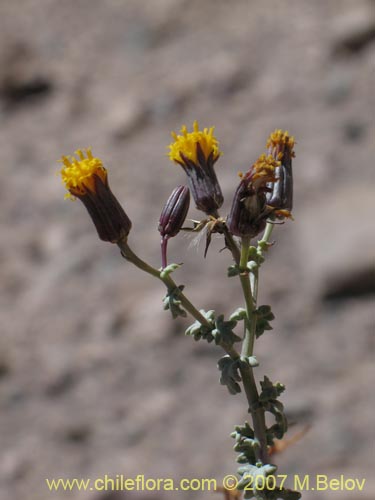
(94, 377)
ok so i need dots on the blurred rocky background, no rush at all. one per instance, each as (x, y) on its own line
(95, 378)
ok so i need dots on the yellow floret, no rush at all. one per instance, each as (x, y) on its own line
(265, 167)
(280, 139)
(186, 143)
(78, 174)
(284, 213)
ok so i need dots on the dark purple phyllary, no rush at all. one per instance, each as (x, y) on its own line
(172, 217)
(249, 212)
(197, 152)
(280, 196)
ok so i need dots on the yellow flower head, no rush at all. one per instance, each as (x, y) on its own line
(279, 141)
(185, 145)
(78, 175)
(86, 179)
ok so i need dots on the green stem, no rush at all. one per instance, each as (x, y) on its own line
(248, 343)
(247, 374)
(171, 285)
(250, 291)
(263, 245)
(128, 253)
(257, 411)
(267, 234)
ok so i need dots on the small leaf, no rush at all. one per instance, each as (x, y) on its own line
(172, 303)
(254, 475)
(278, 429)
(229, 374)
(223, 333)
(252, 266)
(250, 360)
(168, 270)
(233, 271)
(252, 253)
(264, 315)
(270, 390)
(246, 445)
(199, 331)
(238, 315)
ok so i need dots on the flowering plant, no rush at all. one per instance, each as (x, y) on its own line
(263, 197)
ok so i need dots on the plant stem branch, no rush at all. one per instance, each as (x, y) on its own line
(129, 255)
(248, 343)
(267, 232)
(250, 291)
(257, 412)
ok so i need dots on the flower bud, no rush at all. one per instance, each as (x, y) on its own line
(173, 216)
(197, 152)
(280, 145)
(249, 210)
(87, 180)
(174, 212)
